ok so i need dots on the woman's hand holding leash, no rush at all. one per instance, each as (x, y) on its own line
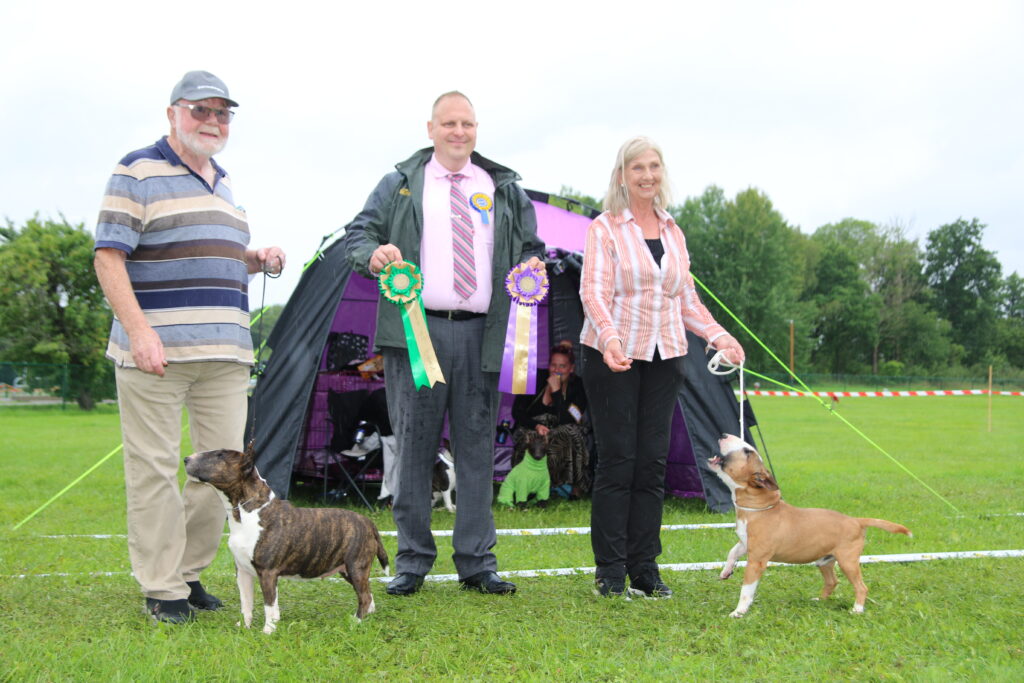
(730, 349)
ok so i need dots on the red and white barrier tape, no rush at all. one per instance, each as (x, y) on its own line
(885, 394)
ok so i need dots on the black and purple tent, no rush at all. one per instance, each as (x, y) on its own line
(289, 417)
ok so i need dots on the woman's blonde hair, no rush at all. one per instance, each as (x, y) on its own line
(616, 200)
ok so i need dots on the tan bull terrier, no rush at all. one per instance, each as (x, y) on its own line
(270, 538)
(771, 530)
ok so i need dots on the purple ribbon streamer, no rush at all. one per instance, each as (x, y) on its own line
(505, 380)
(508, 357)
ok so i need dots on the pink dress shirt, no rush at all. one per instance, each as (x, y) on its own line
(436, 259)
(627, 296)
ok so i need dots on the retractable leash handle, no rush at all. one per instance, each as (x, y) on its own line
(720, 365)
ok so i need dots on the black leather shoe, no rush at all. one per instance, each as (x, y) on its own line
(404, 584)
(200, 599)
(488, 582)
(170, 611)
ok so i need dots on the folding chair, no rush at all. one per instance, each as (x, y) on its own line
(343, 410)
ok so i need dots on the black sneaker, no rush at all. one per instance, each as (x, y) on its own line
(170, 611)
(610, 587)
(650, 585)
(200, 599)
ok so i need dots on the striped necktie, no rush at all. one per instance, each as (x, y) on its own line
(464, 261)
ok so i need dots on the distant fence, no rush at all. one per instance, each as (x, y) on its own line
(26, 383)
(51, 382)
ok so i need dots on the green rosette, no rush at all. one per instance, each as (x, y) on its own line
(400, 282)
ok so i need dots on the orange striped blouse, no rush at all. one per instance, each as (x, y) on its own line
(626, 296)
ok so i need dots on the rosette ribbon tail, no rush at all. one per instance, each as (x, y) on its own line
(426, 371)
(527, 288)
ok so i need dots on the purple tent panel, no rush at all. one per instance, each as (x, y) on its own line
(558, 228)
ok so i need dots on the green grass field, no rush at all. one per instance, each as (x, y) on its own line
(69, 610)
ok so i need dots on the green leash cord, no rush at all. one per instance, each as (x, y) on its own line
(807, 389)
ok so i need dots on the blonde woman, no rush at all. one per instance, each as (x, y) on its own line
(639, 301)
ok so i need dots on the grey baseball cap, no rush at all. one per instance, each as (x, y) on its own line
(199, 85)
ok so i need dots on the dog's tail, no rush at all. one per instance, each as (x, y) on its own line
(382, 555)
(891, 527)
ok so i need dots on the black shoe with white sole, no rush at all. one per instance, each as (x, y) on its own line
(610, 587)
(170, 611)
(649, 585)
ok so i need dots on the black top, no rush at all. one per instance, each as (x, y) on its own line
(657, 250)
(526, 408)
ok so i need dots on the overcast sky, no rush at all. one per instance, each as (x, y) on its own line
(893, 112)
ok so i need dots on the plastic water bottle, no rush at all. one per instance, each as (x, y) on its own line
(361, 430)
(504, 429)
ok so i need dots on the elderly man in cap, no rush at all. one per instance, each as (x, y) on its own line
(172, 258)
(466, 222)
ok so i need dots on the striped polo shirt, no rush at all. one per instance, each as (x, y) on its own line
(186, 246)
(626, 295)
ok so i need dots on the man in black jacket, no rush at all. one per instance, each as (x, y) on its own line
(465, 222)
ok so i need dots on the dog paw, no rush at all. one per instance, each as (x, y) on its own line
(857, 609)
(736, 614)
(725, 575)
(269, 628)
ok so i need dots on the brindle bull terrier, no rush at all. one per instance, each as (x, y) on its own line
(271, 538)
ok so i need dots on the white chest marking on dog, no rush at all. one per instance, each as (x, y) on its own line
(741, 531)
(245, 533)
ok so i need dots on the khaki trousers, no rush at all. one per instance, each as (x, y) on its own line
(174, 534)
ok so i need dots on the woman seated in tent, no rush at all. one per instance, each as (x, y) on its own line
(556, 411)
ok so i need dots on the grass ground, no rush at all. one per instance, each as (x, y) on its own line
(75, 613)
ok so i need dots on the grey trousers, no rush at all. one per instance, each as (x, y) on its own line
(470, 399)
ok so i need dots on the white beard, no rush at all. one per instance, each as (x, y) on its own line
(198, 145)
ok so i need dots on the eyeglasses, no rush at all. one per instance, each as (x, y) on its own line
(202, 113)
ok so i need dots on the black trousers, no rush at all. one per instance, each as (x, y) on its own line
(632, 417)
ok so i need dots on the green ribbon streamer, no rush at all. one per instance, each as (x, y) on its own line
(419, 372)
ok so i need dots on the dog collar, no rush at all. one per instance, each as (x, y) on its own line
(242, 509)
(746, 509)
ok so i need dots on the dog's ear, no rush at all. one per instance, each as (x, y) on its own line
(248, 460)
(763, 480)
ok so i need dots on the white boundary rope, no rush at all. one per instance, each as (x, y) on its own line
(551, 531)
(548, 531)
(683, 567)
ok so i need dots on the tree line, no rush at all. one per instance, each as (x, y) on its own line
(862, 298)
